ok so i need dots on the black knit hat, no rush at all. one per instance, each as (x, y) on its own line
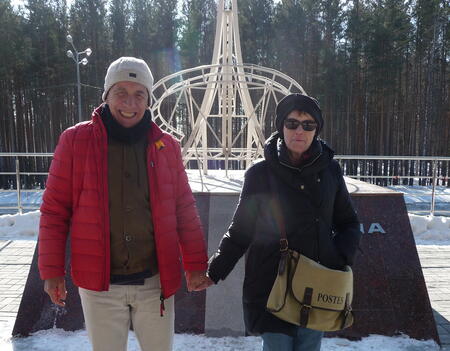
(298, 102)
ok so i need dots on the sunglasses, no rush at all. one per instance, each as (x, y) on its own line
(308, 126)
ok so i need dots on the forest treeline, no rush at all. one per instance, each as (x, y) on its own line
(380, 68)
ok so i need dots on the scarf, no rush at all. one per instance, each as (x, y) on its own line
(125, 135)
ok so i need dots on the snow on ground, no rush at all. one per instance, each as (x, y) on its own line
(58, 339)
(20, 227)
(421, 194)
(430, 230)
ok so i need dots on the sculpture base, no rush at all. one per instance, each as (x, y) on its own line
(390, 291)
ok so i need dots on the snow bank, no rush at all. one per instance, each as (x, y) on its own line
(22, 227)
(430, 230)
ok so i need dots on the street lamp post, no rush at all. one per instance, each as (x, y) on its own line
(75, 56)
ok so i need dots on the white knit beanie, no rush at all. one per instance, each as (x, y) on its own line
(128, 69)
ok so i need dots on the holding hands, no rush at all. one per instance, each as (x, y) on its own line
(197, 280)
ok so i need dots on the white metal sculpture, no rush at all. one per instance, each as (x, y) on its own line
(219, 111)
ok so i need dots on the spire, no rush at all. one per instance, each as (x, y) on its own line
(227, 85)
(227, 101)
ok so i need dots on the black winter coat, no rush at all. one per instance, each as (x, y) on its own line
(319, 217)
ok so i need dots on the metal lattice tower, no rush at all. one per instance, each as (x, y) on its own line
(219, 111)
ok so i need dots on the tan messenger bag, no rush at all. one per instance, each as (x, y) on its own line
(311, 295)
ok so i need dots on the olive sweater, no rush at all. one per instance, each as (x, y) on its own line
(132, 238)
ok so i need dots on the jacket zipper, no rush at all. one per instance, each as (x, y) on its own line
(162, 307)
(317, 236)
(106, 237)
(317, 217)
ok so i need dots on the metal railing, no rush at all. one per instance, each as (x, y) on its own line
(428, 174)
(420, 169)
(17, 173)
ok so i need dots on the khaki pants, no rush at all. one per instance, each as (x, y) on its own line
(108, 314)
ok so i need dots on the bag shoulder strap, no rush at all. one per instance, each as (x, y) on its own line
(279, 218)
(276, 207)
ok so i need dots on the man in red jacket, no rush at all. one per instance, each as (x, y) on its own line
(118, 185)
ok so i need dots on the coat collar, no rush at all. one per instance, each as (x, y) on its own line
(319, 157)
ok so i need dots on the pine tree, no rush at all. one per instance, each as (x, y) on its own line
(356, 105)
(119, 23)
(196, 40)
(330, 85)
(15, 57)
(164, 26)
(88, 29)
(431, 74)
(141, 33)
(378, 67)
(289, 39)
(256, 25)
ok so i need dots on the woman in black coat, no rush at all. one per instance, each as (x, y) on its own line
(319, 217)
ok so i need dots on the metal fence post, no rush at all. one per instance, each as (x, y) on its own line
(19, 199)
(433, 197)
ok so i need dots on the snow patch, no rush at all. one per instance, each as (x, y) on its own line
(431, 230)
(20, 226)
(58, 339)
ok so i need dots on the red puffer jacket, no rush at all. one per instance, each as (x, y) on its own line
(76, 201)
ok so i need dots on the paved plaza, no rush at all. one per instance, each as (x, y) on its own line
(16, 257)
(15, 260)
(435, 261)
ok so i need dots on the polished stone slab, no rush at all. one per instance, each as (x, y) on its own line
(390, 292)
